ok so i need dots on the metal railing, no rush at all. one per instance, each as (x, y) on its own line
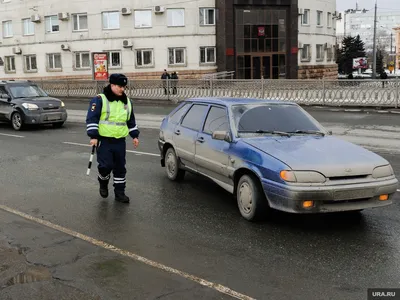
(378, 93)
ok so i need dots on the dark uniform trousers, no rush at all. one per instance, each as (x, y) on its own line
(111, 158)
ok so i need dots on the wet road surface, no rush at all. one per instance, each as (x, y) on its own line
(195, 226)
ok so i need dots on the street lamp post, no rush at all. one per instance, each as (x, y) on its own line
(374, 50)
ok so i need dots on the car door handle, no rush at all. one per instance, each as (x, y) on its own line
(200, 139)
(177, 132)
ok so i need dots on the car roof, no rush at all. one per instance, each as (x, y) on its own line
(229, 101)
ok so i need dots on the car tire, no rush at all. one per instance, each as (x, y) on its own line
(173, 171)
(17, 121)
(251, 199)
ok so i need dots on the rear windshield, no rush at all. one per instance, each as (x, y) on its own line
(26, 91)
(267, 117)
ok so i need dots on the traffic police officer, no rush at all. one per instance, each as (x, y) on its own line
(110, 119)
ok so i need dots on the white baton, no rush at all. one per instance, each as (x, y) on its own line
(90, 160)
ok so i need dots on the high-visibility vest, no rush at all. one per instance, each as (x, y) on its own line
(114, 117)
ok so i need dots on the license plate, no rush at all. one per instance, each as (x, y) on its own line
(53, 117)
(353, 194)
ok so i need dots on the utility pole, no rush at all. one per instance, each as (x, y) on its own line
(374, 51)
(391, 43)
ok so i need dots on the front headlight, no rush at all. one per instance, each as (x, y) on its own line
(382, 171)
(302, 176)
(62, 104)
(30, 106)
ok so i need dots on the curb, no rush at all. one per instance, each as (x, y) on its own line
(376, 110)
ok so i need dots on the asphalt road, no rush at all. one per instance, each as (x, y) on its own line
(193, 226)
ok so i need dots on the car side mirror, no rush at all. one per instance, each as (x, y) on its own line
(330, 132)
(222, 136)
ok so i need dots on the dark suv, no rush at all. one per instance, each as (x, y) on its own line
(24, 103)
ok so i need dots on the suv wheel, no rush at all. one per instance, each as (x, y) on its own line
(16, 121)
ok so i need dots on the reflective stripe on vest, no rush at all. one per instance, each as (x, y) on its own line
(116, 128)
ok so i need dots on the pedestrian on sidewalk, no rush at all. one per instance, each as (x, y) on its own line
(110, 119)
(165, 77)
(174, 82)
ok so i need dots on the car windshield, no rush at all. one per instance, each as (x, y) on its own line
(26, 91)
(272, 118)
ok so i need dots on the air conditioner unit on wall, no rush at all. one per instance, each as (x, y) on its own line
(300, 45)
(159, 9)
(63, 16)
(35, 18)
(127, 44)
(65, 47)
(301, 11)
(126, 11)
(17, 50)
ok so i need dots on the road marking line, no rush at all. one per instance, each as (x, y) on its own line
(130, 151)
(215, 286)
(13, 135)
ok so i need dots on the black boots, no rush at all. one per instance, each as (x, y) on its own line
(104, 189)
(121, 197)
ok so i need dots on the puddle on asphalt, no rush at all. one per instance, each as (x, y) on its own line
(33, 274)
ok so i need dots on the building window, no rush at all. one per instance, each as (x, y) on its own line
(176, 56)
(52, 24)
(28, 27)
(329, 21)
(305, 17)
(82, 60)
(319, 18)
(207, 55)
(111, 20)
(320, 52)
(10, 64)
(207, 16)
(305, 53)
(7, 29)
(115, 59)
(143, 18)
(144, 57)
(176, 17)
(30, 63)
(54, 61)
(329, 54)
(80, 22)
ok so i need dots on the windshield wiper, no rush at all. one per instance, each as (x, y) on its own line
(309, 132)
(266, 131)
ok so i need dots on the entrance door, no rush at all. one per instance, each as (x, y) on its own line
(261, 66)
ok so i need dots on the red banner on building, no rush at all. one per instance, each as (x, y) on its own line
(261, 31)
(100, 66)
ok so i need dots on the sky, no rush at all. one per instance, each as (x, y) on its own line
(383, 5)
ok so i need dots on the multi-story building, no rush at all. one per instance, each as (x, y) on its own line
(262, 39)
(361, 22)
(56, 39)
(397, 47)
(317, 39)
